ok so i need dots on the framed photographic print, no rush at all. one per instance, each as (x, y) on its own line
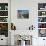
(22, 14)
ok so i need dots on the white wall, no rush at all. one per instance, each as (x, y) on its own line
(32, 6)
(23, 24)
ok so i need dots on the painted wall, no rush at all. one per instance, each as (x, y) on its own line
(23, 24)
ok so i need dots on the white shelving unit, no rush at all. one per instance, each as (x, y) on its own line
(4, 21)
(42, 18)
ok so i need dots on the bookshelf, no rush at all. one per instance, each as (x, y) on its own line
(42, 19)
(4, 19)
